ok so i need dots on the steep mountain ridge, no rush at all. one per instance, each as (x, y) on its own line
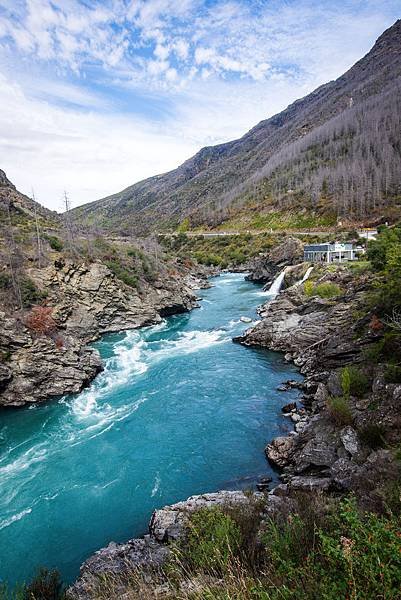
(18, 202)
(222, 176)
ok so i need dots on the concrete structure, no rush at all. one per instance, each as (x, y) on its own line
(368, 234)
(329, 252)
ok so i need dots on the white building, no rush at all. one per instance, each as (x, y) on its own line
(329, 252)
(368, 234)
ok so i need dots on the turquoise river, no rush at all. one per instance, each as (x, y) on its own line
(179, 410)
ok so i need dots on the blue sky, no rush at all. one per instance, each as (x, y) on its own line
(97, 95)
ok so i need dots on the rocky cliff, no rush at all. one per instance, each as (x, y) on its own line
(58, 293)
(87, 300)
(332, 447)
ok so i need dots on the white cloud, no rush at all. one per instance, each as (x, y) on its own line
(90, 155)
(208, 71)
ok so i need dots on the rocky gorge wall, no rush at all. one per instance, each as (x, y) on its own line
(87, 301)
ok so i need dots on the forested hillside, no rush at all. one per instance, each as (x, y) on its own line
(335, 153)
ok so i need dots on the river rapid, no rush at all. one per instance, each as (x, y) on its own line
(179, 410)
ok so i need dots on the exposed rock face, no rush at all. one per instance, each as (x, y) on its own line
(280, 451)
(263, 268)
(88, 301)
(319, 335)
(302, 327)
(39, 369)
(150, 552)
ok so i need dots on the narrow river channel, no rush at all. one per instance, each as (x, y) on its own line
(179, 410)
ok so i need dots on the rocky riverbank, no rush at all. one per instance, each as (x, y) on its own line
(330, 449)
(87, 301)
(327, 452)
(150, 553)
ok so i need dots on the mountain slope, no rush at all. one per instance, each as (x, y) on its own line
(335, 150)
(17, 202)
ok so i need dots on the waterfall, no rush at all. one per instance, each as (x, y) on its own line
(306, 276)
(276, 285)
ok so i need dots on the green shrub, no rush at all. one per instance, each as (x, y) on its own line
(354, 382)
(5, 281)
(351, 555)
(327, 290)
(373, 436)
(387, 349)
(54, 242)
(392, 374)
(213, 539)
(122, 273)
(340, 411)
(30, 294)
(346, 381)
(45, 586)
(308, 288)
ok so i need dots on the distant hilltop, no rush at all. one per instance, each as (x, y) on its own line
(332, 154)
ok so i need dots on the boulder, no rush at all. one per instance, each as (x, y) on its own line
(349, 438)
(168, 523)
(280, 451)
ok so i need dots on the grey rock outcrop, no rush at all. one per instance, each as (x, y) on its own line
(264, 267)
(151, 552)
(87, 301)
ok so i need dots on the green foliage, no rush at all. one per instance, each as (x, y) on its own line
(392, 374)
(30, 294)
(323, 290)
(220, 251)
(385, 256)
(354, 382)
(359, 267)
(45, 586)
(277, 220)
(350, 555)
(373, 436)
(185, 225)
(387, 349)
(378, 249)
(346, 381)
(122, 273)
(210, 259)
(327, 290)
(213, 539)
(54, 242)
(5, 281)
(309, 288)
(340, 411)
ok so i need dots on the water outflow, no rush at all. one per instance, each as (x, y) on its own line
(275, 287)
(178, 410)
(306, 276)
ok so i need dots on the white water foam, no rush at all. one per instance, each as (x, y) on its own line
(27, 459)
(156, 485)
(189, 342)
(119, 369)
(14, 518)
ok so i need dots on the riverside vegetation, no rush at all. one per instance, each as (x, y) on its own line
(332, 529)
